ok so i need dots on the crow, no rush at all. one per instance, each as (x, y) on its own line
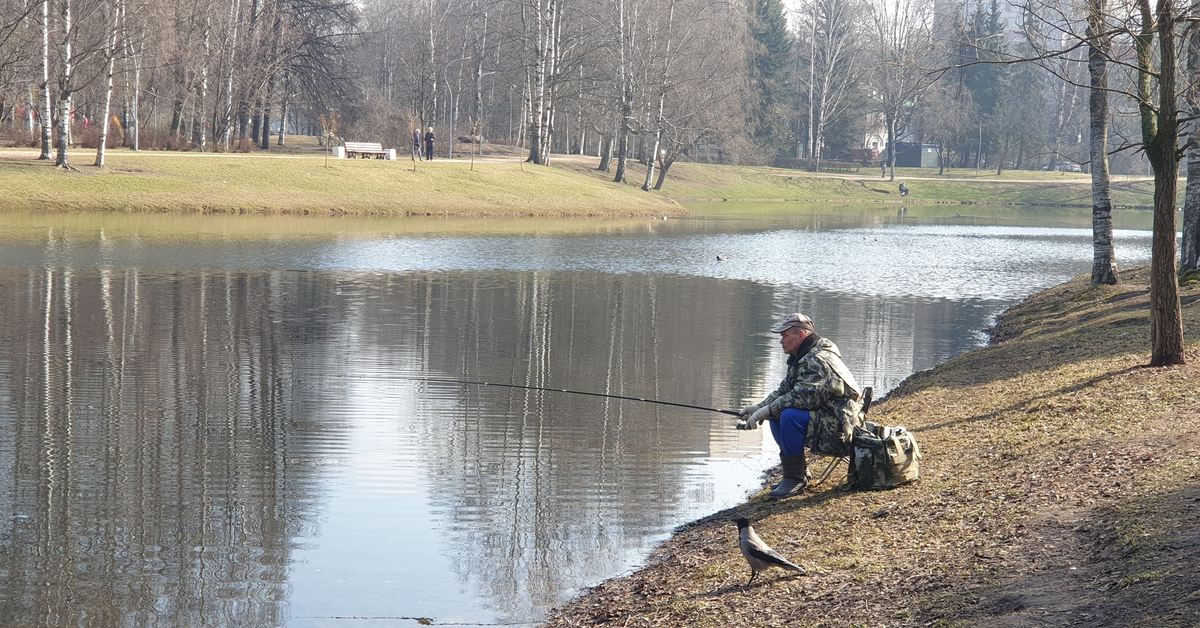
(758, 554)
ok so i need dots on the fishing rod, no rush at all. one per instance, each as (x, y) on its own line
(445, 380)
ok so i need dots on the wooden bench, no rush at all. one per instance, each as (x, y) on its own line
(365, 150)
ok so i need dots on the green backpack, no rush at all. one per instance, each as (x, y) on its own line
(882, 457)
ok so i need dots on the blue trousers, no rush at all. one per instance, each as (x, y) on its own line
(790, 431)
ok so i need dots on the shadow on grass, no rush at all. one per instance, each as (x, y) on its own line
(764, 579)
(1072, 324)
(1109, 575)
(25, 166)
(1020, 407)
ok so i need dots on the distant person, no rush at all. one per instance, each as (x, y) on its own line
(429, 144)
(416, 144)
(903, 189)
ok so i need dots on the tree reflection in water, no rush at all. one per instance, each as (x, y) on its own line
(249, 447)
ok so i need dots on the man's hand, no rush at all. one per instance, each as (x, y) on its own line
(744, 418)
(760, 415)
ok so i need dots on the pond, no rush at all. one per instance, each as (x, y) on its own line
(221, 420)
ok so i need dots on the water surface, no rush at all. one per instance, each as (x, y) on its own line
(230, 421)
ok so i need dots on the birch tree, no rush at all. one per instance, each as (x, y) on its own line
(901, 31)
(47, 117)
(1104, 262)
(663, 88)
(65, 85)
(115, 8)
(625, 40)
(835, 66)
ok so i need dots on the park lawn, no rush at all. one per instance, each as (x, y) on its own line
(707, 182)
(301, 181)
(306, 184)
(1059, 485)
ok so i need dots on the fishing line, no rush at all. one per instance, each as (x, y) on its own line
(447, 380)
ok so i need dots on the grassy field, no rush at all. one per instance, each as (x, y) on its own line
(299, 181)
(1059, 486)
(305, 184)
(705, 182)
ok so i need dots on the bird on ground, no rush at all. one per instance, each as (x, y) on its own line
(758, 554)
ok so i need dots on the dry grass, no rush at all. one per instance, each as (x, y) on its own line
(298, 180)
(307, 183)
(1059, 485)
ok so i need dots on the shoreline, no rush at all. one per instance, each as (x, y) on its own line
(1058, 485)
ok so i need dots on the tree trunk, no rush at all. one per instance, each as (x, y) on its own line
(199, 123)
(553, 53)
(605, 154)
(227, 134)
(662, 99)
(64, 88)
(283, 114)
(653, 152)
(1190, 254)
(537, 98)
(47, 115)
(626, 87)
(272, 82)
(184, 86)
(30, 127)
(135, 99)
(891, 160)
(1159, 136)
(256, 121)
(477, 108)
(623, 144)
(1190, 249)
(663, 167)
(111, 52)
(812, 82)
(1104, 262)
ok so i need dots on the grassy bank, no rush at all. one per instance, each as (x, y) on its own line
(705, 182)
(302, 181)
(306, 184)
(1059, 485)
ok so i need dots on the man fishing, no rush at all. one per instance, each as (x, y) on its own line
(818, 403)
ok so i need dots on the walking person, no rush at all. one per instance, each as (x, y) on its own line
(429, 144)
(817, 404)
(416, 144)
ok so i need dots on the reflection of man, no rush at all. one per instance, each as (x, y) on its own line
(818, 403)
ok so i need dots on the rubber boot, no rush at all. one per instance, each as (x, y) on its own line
(795, 477)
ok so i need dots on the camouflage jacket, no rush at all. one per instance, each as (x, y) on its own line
(818, 381)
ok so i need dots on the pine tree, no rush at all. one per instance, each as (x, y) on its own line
(771, 56)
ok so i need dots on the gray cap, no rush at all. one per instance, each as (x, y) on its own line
(795, 319)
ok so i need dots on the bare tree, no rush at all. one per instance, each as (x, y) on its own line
(663, 88)
(65, 85)
(902, 33)
(836, 65)
(1160, 132)
(116, 8)
(1190, 244)
(1104, 261)
(47, 116)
